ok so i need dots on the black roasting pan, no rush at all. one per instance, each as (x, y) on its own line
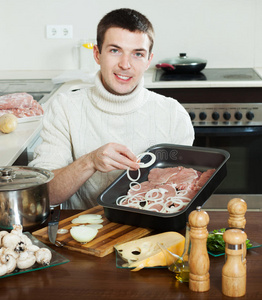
(167, 155)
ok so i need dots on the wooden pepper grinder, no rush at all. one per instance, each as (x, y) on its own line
(199, 279)
(234, 271)
(237, 208)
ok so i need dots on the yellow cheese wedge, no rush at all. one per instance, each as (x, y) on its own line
(145, 252)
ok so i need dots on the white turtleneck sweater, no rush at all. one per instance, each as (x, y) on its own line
(79, 122)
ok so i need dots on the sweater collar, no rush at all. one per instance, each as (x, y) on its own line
(117, 104)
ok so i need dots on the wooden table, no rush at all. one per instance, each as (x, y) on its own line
(90, 277)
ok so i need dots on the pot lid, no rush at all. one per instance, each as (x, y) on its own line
(184, 60)
(18, 177)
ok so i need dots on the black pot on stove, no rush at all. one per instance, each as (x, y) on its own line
(182, 64)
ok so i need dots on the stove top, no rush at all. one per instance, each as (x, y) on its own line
(223, 74)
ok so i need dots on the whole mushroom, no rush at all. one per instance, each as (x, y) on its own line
(9, 261)
(13, 242)
(17, 229)
(7, 251)
(25, 260)
(2, 234)
(43, 256)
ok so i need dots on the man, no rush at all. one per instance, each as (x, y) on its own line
(92, 135)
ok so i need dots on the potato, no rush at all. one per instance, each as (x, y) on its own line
(8, 123)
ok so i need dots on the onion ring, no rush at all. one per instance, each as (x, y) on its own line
(154, 197)
(150, 163)
(136, 183)
(132, 179)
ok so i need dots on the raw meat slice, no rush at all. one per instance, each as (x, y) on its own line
(16, 100)
(21, 105)
(160, 176)
(185, 177)
(204, 177)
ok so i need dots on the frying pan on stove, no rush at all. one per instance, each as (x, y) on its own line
(182, 64)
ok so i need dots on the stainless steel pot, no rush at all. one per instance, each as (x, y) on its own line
(182, 64)
(23, 196)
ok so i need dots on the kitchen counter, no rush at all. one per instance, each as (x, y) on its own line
(149, 76)
(150, 83)
(95, 278)
(13, 144)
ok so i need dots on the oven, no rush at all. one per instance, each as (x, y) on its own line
(228, 118)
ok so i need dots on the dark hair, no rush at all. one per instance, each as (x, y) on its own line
(127, 19)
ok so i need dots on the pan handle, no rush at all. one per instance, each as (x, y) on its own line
(165, 66)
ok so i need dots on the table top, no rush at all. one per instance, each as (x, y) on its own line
(90, 277)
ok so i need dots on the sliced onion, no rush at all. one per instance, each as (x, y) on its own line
(150, 163)
(95, 226)
(83, 234)
(91, 216)
(88, 218)
(132, 179)
(62, 231)
(131, 186)
(153, 197)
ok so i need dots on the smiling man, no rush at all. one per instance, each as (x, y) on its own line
(122, 65)
(90, 136)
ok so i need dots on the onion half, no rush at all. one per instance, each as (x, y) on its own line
(83, 234)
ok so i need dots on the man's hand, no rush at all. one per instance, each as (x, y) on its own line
(113, 156)
(69, 179)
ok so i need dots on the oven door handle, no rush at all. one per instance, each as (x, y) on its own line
(228, 131)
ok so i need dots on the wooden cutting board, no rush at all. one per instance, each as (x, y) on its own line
(103, 244)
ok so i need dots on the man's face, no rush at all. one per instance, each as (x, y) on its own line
(123, 60)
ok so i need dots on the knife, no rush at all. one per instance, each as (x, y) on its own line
(53, 225)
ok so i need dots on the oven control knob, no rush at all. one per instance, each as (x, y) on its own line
(202, 116)
(192, 115)
(250, 115)
(238, 115)
(227, 115)
(215, 115)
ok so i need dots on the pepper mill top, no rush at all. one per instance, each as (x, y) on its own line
(235, 236)
(198, 218)
(237, 208)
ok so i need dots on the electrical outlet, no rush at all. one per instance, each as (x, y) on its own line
(52, 31)
(67, 31)
(59, 31)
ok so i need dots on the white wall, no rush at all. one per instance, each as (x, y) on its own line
(228, 33)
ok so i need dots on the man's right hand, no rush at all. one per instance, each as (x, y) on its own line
(107, 158)
(113, 156)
